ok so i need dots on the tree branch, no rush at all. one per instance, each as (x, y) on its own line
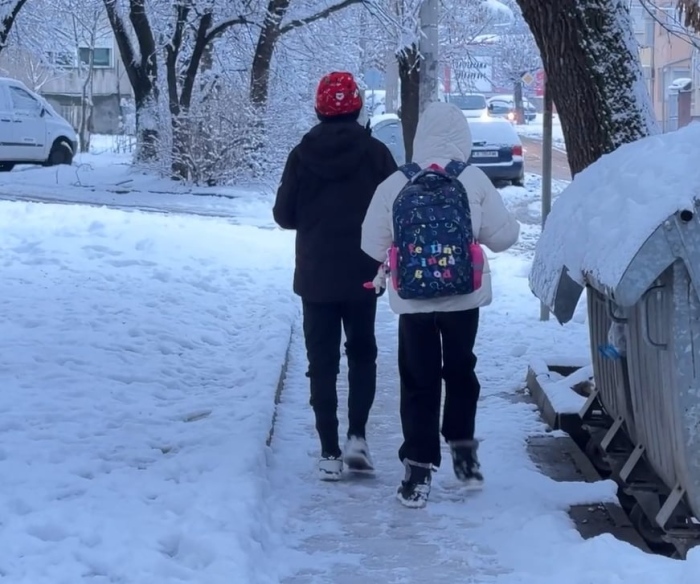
(222, 27)
(325, 13)
(200, 44)
(143, 32)
(133, 69)
(7, 22)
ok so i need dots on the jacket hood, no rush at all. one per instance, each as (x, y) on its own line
(333, 150)
(443, 134)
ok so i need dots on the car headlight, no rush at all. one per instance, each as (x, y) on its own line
(511, 116)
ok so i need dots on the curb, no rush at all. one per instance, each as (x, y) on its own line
(280, 385)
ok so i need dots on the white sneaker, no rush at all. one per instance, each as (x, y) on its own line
(356, 455)
(330, 468)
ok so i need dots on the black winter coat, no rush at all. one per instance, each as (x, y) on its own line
(327, 185)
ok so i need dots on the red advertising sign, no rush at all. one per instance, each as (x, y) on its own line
(538, 84)
(447, 79)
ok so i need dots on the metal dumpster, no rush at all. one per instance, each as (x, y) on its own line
(652, 388)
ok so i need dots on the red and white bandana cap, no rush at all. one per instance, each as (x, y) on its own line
(338, 95)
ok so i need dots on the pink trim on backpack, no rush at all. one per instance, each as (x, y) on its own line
(477, 256)
(393, 265)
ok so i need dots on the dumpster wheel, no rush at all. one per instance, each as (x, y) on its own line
(596, 454)
(644, 526)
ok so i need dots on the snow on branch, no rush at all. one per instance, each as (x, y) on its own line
(320, 15)
(9, 9)
(673, 24)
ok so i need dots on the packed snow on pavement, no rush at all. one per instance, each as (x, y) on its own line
(139, 368)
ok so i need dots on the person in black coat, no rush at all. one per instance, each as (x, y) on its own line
(327, 184)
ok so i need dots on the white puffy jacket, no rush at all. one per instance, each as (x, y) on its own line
(443, 135)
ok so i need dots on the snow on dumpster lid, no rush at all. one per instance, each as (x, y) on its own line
(605, 215)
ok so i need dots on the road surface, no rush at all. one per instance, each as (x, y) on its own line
(533, 159)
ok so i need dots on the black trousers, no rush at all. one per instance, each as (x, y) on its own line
(432, 347)
(322, 333)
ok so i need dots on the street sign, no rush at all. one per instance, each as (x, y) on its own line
(528, 79)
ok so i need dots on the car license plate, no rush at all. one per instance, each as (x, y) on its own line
(486, 154)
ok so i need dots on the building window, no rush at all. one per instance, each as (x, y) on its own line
(671, 22)
(101, 58)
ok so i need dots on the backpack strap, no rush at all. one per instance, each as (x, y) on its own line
(410, 170)
(455, 168)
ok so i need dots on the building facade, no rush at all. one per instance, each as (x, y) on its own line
(60, 76)
(670, 62)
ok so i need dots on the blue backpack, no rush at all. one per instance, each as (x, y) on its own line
(434, 254)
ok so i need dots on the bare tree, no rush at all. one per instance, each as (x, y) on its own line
(185, 24)
(85, 24)
(591, 60)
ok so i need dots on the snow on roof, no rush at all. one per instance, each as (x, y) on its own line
(682, 84)
(605, 215)
(498, 8)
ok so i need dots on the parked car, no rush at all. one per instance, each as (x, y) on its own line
(503, 106)
(497, 150)
(31, 131)
(387, 128)
(472, 104)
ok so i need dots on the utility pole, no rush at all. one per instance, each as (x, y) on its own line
(428, 48)
(546, 168)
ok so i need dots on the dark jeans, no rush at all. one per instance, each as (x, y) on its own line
(432, 347)
(322, 333)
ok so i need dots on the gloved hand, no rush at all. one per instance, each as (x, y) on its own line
(379, 281)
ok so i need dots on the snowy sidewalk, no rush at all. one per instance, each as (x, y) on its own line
(139, 359)
(516, 531)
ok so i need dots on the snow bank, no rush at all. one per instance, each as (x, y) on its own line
(110, 179)
(599, 222)
(139, 362)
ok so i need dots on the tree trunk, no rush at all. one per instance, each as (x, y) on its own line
(87, 105)
(146, 126)
(9, 20)
(264, 49)
(409, 73)
(590, 57)
(142, 70)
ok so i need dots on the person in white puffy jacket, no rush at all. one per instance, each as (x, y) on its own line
(436, 336)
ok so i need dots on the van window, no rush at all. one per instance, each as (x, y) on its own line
(4, 100)
(23, 102)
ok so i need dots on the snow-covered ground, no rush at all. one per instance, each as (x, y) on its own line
(140, 361)
(140, 358)
(105, 176)
(534, 130)
(516, 531)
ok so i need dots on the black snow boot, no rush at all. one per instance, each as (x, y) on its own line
(466, 463)
(415, 488)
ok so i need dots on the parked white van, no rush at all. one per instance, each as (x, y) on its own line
(31, 131)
